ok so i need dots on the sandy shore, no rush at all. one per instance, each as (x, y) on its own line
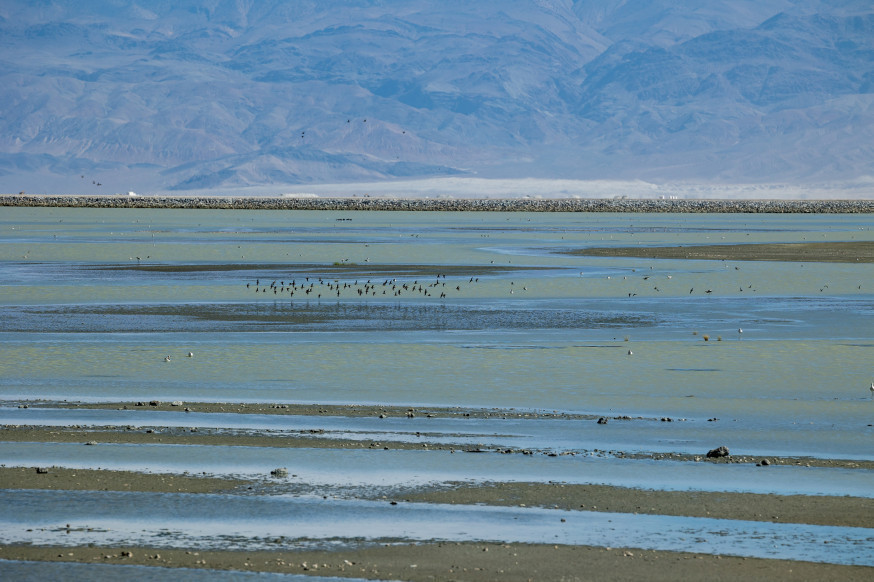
(826, 252)
(463, 561)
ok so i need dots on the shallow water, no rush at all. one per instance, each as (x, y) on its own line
(92, 301)
(352, 472)
(217, 521)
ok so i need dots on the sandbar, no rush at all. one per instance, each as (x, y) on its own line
(819, 252)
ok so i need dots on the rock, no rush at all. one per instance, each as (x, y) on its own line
(279, 472)
(718, 453)
(764, 462)
(42, 470)
(91, 443)
(176, 403)
(602, 420)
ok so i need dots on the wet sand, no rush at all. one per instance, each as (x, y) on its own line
(824, 510)
(432, 561)
(463, 561)
(826, 252)
(157, 434)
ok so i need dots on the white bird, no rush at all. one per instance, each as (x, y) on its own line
(190, 354)
(872, 389)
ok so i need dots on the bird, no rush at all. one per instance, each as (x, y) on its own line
(190, 354)
(167, 359)
(872, 389)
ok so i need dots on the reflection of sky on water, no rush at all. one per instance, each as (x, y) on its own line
(780, 437)
(221, 521)
(380, 468)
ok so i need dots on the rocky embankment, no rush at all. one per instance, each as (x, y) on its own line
(445, 205)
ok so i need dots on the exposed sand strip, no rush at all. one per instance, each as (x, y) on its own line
(475, 562)
(823, 252)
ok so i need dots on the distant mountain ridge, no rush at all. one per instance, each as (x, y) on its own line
(223, 95)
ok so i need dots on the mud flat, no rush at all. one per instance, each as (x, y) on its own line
(429, 560)
(461, 561)
(820, 510)
(826, 252)
(445, 205)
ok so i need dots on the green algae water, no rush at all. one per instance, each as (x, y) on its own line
(475, 309)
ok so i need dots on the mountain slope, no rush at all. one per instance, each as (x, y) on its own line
(228, 94)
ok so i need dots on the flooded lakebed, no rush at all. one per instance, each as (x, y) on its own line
(373, 357)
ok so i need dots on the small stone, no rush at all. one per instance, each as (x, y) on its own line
(91, 443)
(42, 470)
(176, 403)
(765, 462)
(279, 472)
(602, 420)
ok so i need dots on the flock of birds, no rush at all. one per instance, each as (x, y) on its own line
(314, 287)
(317, 287)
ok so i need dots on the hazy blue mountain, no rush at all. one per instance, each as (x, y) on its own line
(226, 94)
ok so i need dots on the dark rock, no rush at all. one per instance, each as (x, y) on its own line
(42, 470)
(718, 453)
(279, 472)
(764, 462)
(602, 420)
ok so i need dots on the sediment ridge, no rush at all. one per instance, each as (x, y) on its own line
(445, 205)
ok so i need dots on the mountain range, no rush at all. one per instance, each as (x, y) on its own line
(105, 96)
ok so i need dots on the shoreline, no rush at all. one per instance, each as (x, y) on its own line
(478, 560)
(843, 511)
(620, 205)
(473, 561)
